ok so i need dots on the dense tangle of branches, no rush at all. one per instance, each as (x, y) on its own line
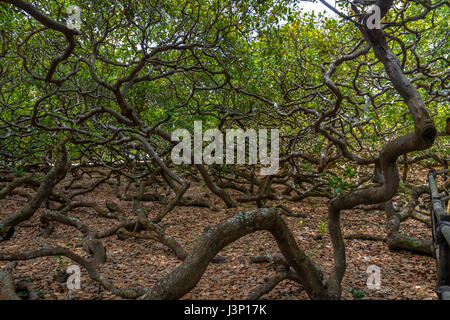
(102, 102)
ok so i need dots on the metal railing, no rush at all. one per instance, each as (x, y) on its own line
(440, 222)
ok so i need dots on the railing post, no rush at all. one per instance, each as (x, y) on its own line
(440, 222)
(446, 176)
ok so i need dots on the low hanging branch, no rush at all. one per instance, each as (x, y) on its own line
(90, 243)
(56, 174)
(400, 241)
(185, 276)
(14, 184)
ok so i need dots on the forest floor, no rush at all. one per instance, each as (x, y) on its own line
(404, 275)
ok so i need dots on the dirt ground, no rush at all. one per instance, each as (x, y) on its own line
(141, 262)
